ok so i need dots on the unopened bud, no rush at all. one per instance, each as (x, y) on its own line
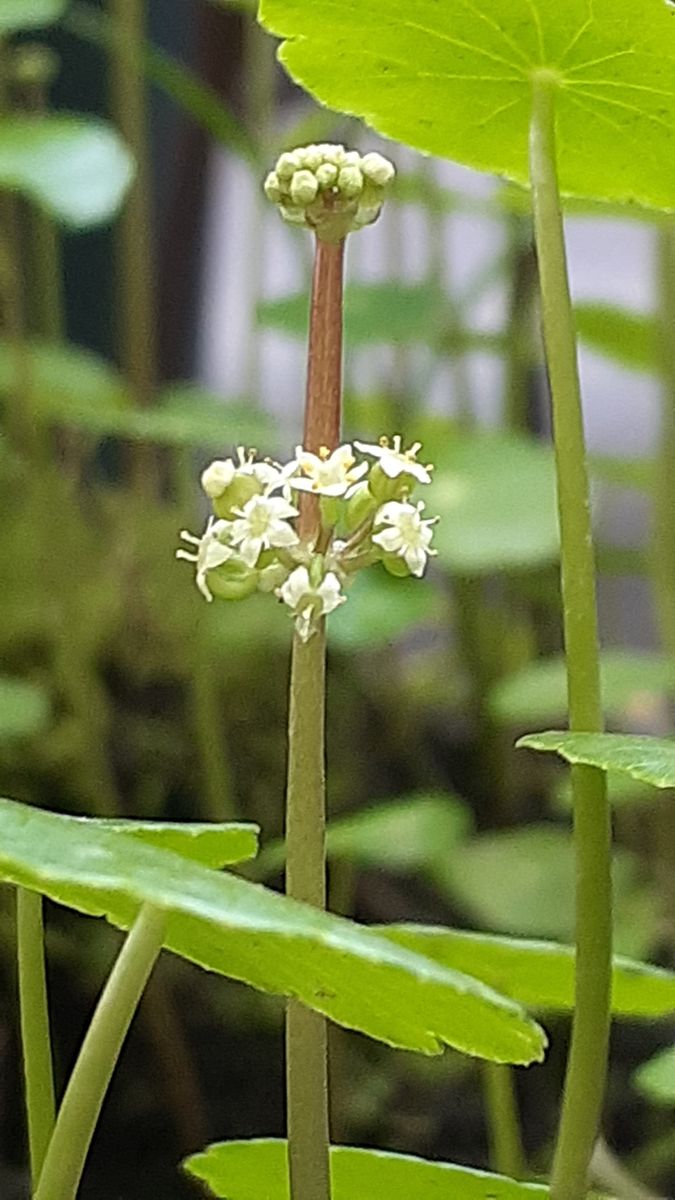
(304, 188)
(287, 165)
(377, 169)
(233, 580)
(217, 477)
(350, 182)
(326, 175)
(272, 187)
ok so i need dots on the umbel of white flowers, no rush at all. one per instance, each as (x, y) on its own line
(367, 516)
(329, 189)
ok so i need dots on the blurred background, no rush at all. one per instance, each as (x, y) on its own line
(136, 350)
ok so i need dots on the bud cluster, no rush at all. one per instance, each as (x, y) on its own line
(328, 189)
(251, 542)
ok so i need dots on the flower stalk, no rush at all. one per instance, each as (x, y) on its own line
(587, 1065)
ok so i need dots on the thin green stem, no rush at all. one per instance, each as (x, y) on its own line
(663, 532)
(501, 1109)
(587, 1065)
(88, 1084)
(35, 1035)
(306, 1040)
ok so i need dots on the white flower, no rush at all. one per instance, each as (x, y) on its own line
(394, 461)
(210, 553)
(261, 524)
(220, 474)
(327, 474)
(408, 534)
(310, 603)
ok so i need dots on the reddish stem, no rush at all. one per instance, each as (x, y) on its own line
(323, 407)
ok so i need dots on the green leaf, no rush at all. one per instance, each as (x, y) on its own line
(28, 14)
(258, 1170)
(247, 932)
(495, 494)
(24, 709)
(76, 168)
(624, 472)
(656, 1078)
(74, 387)
(521, 881)
(649, 759)
(374, 312)
(537, 974)
(456, 78)
(628, 337)
(413, 834)
(539, 691)
(213, 845)
(380, 610)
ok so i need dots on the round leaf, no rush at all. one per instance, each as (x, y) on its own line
(381, 609)
(28, 14)
(258, 1170)
(539, 691)
(76, 168)
(247, 932)
(539, 975)
(455, 79)
(649, 759)
(495, 494)
(656, 1078)
(374, 312)
(213, 845)
(629, 338)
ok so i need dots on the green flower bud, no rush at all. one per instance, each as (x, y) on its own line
(350, 181)
(272, 187)
(392, 563)
(316, 570)
(326, 175)
(360, 506)
(271, 577)
(304, 188)
(331, 511)
(287, 165)
(217, 477)
(235, 496)
(377, 169)
(311, 157)
(233, 580)
(383, 488)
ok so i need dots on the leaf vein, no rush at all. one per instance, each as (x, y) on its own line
(631, 108)
(446, 37)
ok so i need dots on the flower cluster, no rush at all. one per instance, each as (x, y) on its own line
(329, 189)
(366, 515)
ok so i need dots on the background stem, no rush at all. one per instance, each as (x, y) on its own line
(587, 1065)
(663, 533)
(96, 1062)
(35, 1035)
(306, 1042)
(501, 1109)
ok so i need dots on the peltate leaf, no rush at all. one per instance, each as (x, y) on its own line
(76, 168)
(649, 759)
(456, 78)
(380, 610)
(258, 1170)
(495, 494)
(629, 338)
(656, 1078)
(213, 845)
(247, 932)
(521, 881)
(374, 312)
(537, 974)
(539, 691)
(28, 14)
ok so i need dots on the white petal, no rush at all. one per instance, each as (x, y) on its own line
(389, 539)
(281, 534)
(250, 550)
(281, 508)
(392, 466)
(415, 559)
(375, 451)
(296, 586)
(329, 591)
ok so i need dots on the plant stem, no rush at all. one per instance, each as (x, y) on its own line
(306, 1035)
(306, 1041)
(663, 537)
(506, 1147)
(136, 308)
(587, 1065)
(98, 1056)
(35, 1035)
